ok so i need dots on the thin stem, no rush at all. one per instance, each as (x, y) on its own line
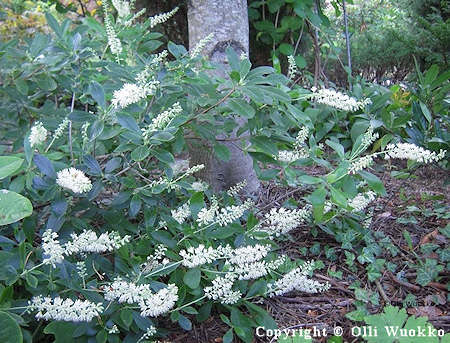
(347, 42)
(70, 129)
(29, 270)
(188, 304)
(299, 38)
(15, 308)
(167, 266)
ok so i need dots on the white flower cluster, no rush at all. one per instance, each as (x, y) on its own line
(290, 156)
(207, 215)
(222, 216)
(229, 214)
(157, 260)
(130, 93)
(201, 45)
(297, 279)
(299, 151)
(126, 292)
(149, 71)
(113, 41)
(160, 302)
(122, 7)
(113, 330)
(339, 100)
(302, 136)
(327, 206)
(81, 269)
(360, 164)
(84, 133)
(161, 120)
(53, 251)
(38, 134)
(237, 188)
(161, 18)
(194, 257)
(171, 184)
(151, 304)
(293, 69)
(249, 254)
(181, 213)
(369, 138)
(60, 129)
(137, 15)
(412, 152)
(148, 333)
(257, 269)
(74, 179)
(221, 290)
(65, 309)
(87, 241)
(199, 186)
(361, 201)
(179, 166)
(281, 221)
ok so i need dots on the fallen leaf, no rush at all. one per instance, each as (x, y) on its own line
(425, 311)
(428, 237)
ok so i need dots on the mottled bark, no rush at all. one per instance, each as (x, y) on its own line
(228, 21)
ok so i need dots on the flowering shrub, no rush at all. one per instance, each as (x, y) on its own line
(122, 233)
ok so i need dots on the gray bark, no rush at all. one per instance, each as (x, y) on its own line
(228, 21)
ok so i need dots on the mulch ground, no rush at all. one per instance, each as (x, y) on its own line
(327, 310)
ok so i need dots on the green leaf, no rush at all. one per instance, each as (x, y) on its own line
(300, 61)
(286, 49)
(164, 156)
(338, 197)
(390, 323)
(51, 21)
(95, 129)
(22, 86)
(184, 323)
(101, 336)
(126, 315)
(309, 180)
(62, 331)
(426, 112)
(222, 152)
(46, 82)
(242, 108)
(228, 337)
(140, 153)
(97, 92)
(196, 203)
(317, 199)
(374, 182)
(264, 144)
(9, 165)
(428, 272)
(176, 50)
(336, 147)
(32, 281)
(192, 278)
(276, 93)
(13, 207)
(128, 122)
(9, 329)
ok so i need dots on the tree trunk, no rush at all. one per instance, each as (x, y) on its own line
(228, 22)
